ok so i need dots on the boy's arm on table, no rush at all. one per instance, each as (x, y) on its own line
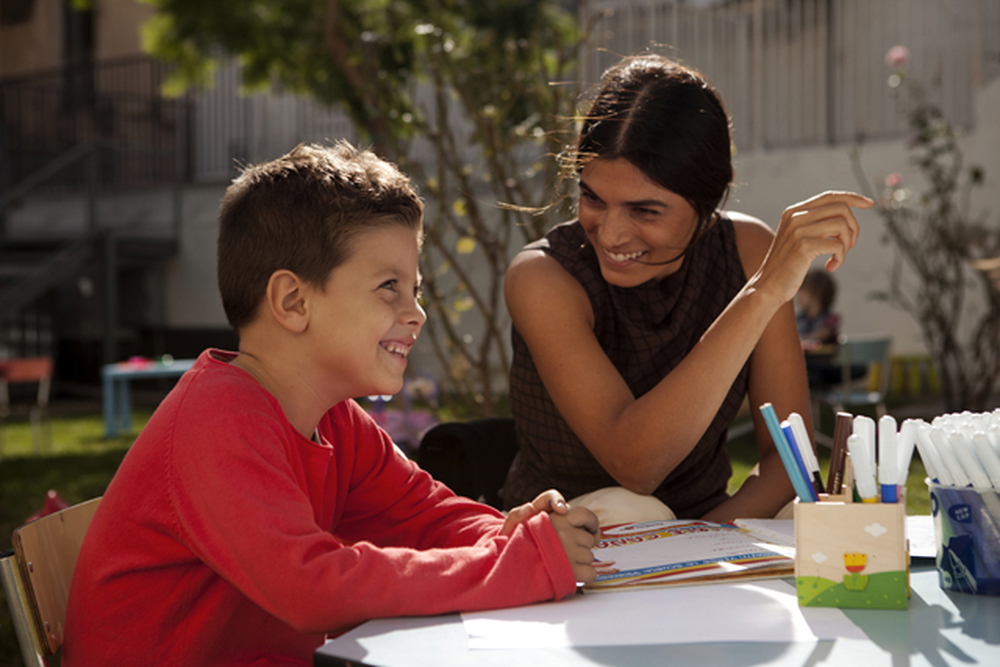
(392, 505)
(257, 528)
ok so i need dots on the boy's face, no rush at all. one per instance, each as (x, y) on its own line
(367, 316)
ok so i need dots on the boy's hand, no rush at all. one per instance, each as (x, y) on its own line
(546, 501)
(578, 530)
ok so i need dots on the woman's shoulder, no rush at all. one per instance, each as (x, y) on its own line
(532, 269)
(537, 282)
(753, 239)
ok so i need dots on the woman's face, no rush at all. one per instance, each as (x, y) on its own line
(634, 224)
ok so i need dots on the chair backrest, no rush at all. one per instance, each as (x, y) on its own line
(26, 369)
(866, 350)
(46, 551)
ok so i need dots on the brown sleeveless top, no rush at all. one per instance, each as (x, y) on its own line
(646, 331)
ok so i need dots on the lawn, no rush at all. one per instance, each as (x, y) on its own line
(79, 463)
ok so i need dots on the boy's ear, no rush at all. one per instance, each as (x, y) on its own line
(286, 300)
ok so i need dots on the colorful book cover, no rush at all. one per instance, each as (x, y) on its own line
(661, 553)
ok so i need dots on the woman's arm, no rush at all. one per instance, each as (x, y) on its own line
(778, 376)
(640, 441)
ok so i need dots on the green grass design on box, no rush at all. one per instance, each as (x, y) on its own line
(885, 590)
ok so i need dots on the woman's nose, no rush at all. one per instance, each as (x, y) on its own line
(614, 228)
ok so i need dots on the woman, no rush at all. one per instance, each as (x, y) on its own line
(637, 333)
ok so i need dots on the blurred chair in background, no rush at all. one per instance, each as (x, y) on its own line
(27, 370)
(865, 390)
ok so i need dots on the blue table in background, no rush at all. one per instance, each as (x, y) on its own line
(117, 398)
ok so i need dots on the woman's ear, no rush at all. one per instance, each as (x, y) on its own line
(286, 300)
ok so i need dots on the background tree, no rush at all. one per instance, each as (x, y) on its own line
(941, 243)
(458, 92)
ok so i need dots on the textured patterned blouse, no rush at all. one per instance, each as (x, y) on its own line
(646, 331)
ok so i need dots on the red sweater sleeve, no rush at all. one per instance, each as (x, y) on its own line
(261, 506)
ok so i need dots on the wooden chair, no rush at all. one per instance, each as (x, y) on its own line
(23, 371)
(37, 575)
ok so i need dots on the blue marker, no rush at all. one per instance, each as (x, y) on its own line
(806, 449)
(801, 484)
(800, 459)
(888, 459)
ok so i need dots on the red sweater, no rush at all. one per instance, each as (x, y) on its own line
(227, 538)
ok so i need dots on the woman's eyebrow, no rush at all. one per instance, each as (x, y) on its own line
(640, 203)
(590, 190)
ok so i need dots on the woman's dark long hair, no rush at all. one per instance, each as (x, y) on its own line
(670, 123)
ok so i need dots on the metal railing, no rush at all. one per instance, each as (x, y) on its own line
(141, 136)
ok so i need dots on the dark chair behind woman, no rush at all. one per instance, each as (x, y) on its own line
(472, 458)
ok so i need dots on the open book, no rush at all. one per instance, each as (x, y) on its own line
(662, 553)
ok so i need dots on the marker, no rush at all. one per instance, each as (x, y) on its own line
(802, 487)
(864, 472)
(928, 454)
(800, 464)
(841, 429)
(988, 457)
(806, 449)
(948, 458)
(888, 459)
(967, 458)
(906, 442)
(865, 427)
(994, 435)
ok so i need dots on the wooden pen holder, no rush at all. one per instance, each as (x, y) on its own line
(851, 555)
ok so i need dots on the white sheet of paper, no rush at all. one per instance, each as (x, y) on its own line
(920, 532)
(760, 611)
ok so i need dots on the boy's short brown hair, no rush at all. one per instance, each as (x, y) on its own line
(300, 213)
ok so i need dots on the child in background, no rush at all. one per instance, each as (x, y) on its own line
(819, 327)
(818, 324)
(261, 508)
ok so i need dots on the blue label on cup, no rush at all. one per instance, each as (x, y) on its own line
(961, 513)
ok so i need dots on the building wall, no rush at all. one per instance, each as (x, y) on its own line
(191, 289)
(771, 180)
(36, 44)
(115, 24)
(33, 44)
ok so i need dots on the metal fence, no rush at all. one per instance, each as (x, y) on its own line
(116, 107)
(810, 72)
(230, 129)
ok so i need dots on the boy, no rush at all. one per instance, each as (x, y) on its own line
(261, 508)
